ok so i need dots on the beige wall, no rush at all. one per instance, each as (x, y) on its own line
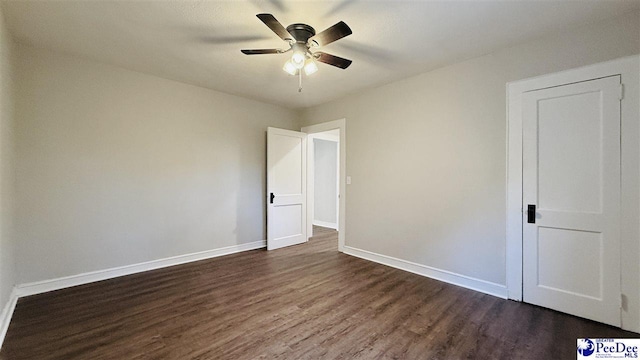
(117, 167)
(7, 167)
(427, 155)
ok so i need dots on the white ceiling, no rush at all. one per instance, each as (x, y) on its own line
(199, 42)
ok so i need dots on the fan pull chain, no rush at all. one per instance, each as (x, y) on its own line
(300, 80)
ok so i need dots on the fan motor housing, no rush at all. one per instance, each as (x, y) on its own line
(301, 32)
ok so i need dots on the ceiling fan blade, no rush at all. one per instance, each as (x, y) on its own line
(230, 39)
(336, 61)
(275, 26)
(336, 32)
(261, 51)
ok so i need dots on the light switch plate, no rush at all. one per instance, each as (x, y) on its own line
(348, 180)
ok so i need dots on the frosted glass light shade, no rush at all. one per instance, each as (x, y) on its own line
(310, 67)
(289, 68)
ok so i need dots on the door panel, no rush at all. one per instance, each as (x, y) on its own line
(571, 172)
(286, 188)
(285, 153)
(288, 224)
(580, 144)
(559, 272)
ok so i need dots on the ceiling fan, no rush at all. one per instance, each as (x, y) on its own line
(302, 38)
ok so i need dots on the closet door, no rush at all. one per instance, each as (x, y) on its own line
(571, 197)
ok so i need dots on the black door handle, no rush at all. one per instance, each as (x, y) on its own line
(531, 214)
(272, 196)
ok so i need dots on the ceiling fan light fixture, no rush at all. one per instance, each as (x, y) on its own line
(310, 67)
(290, 68)
(301, 38)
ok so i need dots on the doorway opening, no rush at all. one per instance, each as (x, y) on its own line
(325, 169)
(326, 179)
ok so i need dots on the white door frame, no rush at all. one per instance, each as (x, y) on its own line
(629, 69)
(327, 126)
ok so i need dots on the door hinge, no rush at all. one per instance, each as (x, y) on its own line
(621, 95)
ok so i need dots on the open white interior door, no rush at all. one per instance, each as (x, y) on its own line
(286, 188)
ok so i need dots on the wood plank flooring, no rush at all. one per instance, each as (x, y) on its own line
(302, 302)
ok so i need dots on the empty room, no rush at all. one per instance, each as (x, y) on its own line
(283, 179)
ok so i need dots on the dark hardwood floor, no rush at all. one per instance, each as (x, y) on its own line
(302, 302)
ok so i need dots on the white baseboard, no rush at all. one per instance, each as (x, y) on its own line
(85, 278)
(325, 224)
(438, 274)
(7, 313)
